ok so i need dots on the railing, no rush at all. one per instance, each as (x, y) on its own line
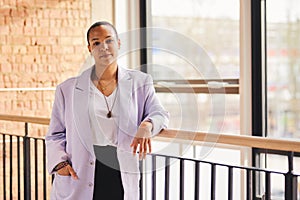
(211, 86)
(251, 172)
(24, 169)
(24, 172)
(27, 173)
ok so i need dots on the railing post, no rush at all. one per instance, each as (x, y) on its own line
(27, 177)
(167, 178)
(230, 183)
(4, 165)
(181, 184)
(197, 180)
(44, 170)
(213, 182)
(141, 166)
(249, 184)
(290, 180)
(268, 186)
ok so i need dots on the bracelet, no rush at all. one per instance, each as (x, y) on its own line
(61, 165)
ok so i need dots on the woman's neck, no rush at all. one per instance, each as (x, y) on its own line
(106, 73)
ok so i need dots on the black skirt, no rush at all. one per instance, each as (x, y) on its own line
(108, 183)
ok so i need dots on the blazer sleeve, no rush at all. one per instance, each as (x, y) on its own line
(153, 109)
(56, 136)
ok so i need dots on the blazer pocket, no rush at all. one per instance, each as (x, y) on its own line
(62, 186)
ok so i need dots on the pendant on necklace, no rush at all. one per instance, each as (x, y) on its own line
(108, 115)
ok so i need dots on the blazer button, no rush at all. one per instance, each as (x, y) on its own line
(90, 184)
(92, 162)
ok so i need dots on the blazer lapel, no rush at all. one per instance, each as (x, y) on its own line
(81, 110)
(125, 98)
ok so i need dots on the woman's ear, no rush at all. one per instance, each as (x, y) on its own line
(89, 48)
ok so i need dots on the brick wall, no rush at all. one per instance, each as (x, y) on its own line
(42, 42)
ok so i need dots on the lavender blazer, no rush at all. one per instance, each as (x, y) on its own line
(70, 138)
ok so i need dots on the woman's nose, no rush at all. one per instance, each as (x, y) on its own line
(103, 46)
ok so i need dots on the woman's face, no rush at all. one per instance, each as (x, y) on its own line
(104, 45)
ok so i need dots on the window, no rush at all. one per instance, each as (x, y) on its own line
(193, 41)
(193, 52)
(283, 68)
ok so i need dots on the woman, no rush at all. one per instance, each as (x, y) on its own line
(99, 121)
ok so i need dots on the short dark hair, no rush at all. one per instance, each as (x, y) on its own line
(100, 23)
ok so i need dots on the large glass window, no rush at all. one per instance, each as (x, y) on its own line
(283, 68)
(196, 40)
(282, 25)
(195, 43)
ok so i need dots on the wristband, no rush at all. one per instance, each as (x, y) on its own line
(61, 165)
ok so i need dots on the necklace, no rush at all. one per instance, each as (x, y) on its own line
(109, 115)
(103, 88)
(100, 86)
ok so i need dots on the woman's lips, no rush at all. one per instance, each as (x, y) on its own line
(105, 56)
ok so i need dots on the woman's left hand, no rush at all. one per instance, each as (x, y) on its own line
(142, 139)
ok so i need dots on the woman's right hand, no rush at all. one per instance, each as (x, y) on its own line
(67, 171)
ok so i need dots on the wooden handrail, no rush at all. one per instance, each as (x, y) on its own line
(196, 86)
(239, 140)
(188, 136)
(197, 89)
(34, 120)
(199, 81)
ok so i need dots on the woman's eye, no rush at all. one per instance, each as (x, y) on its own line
(109, 41)
(96, 43)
